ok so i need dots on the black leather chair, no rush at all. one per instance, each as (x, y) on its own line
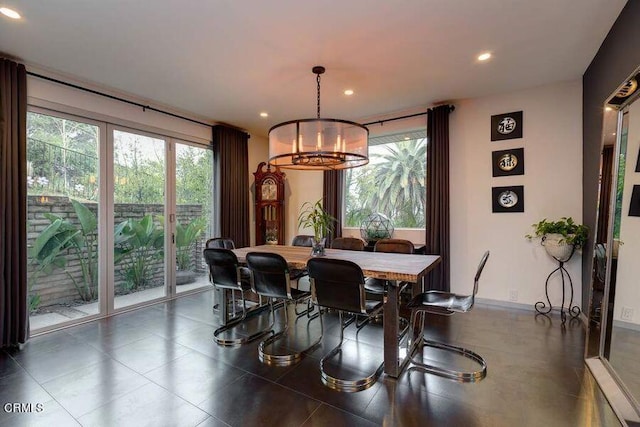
(445, 303)
(339, 284)
(220, 242)
(401, 246)
(305, 240)
(302, 240)
(226, 274)
(348, 243)
(270, 278)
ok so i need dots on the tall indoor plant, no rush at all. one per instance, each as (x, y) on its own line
(313, 215)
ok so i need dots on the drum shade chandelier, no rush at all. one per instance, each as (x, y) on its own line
(318, 144)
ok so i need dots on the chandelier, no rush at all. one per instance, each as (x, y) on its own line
(318, 144)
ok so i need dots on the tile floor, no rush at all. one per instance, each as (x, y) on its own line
(159, 366)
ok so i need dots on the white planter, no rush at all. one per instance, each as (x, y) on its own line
(557, 247)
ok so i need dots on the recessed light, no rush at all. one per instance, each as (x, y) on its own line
(614, 134)
(263, 114)
(406, 138)
(484, 56)
(348, 92)
(10, 13)
(608, 108)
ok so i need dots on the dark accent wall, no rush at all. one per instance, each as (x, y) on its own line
(616, 59)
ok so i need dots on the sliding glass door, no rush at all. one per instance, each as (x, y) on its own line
(116, 217)
(194, 214)
(62, 218)
(139, 171)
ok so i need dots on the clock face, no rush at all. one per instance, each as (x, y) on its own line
(269, 189)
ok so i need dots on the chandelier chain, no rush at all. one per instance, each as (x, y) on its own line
(318, 79)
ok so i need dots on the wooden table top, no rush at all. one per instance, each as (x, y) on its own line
(381, 265)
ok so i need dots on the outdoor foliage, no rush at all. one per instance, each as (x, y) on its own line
(62, 160)
(186, 238)
(393, 184)
(138, 243)
(61, 157)
(62, 240)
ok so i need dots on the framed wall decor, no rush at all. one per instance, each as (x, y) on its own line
(638, 162)
(634, 206)
(506, 126)
(508, 162)
(508, 199)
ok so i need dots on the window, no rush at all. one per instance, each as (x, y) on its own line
(116, 217)
(393, 183)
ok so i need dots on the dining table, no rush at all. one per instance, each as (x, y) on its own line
(393, 267)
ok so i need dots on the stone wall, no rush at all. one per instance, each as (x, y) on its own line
(57, 287)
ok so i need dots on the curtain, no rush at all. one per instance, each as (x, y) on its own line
(437, 202)
(332, 190)
(605, 194)
(14, 312)
(232, 158)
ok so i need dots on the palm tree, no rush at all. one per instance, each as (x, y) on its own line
(400, 183)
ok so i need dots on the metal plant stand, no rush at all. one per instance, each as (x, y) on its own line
(573, 310)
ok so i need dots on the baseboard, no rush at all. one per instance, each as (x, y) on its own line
(505, 304)
(626, 325)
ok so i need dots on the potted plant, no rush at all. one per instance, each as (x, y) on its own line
(560, 238)
(312, 215)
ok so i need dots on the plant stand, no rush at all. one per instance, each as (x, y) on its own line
(572, 310)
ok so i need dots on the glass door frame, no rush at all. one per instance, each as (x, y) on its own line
(168, 213)
(105, 214)
(103, 255)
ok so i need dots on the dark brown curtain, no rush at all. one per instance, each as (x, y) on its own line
(605, 194)
(332, 190)
(14, 313)
(232, 158)
(437, 209)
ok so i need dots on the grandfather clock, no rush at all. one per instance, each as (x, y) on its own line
(269, 205)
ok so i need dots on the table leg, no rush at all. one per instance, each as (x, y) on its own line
(391, 330)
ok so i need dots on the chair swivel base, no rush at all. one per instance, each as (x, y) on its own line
(349, 386)
(462, 376)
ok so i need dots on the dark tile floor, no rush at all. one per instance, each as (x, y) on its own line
(159, 366)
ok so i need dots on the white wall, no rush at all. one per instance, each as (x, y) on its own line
(301, 186)
(58, 97)
(627, 289)
(552, 141)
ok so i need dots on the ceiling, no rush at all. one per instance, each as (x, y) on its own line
(229, 60)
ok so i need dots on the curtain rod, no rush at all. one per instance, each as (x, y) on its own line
(452, 107)
(106, 95)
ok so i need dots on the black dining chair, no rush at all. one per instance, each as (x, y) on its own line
(348, 243)
(270, 278)
(400, 246)
(306, 241)
(446, 304)
(220, 242)
(339, 285)
(226, 274)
